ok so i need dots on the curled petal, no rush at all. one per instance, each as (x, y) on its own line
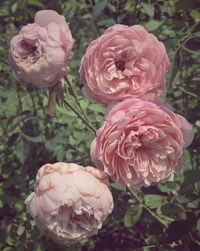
(186, 129)
(44, 17)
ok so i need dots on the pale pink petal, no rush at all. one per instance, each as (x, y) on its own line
(186, 128)
(44, 17)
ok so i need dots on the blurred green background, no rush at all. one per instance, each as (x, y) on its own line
(30, 139)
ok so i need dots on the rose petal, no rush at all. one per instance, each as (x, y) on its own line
(44, 17)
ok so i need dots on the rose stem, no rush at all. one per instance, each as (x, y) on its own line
(51, 102)
(80, 116)
(145, 207)
(170, 245)
(76, 98)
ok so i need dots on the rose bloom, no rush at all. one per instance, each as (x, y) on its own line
(141, 142)
(124, 62)
(41, 52)
(70, 202)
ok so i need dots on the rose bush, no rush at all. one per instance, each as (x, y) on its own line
(28, 138)
(70, 202)
(124, 62)
(41, 52)
(141, 142)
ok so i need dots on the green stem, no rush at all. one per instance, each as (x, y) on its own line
(51, 102)
(171, 245)
(76, 149)
(76, 98)
(20, 105)
(80, 116)
(155, 216)
(133, 193)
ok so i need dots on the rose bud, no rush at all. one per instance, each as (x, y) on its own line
(70, 202)
(41, 52)
(141, 142)
(124, 62)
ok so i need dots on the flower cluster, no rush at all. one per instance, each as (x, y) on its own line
(141, 140)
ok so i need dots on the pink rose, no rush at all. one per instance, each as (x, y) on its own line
(41, 52)
(124, 62)
(141, 142)
(70, 202)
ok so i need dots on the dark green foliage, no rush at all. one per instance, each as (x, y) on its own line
(29, 139)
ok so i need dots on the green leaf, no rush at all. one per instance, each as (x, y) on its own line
(14, 7)
(1, 203)
(7, 249)
(198, 225)
(130, 6)
(38, 248)
(20, 230)
(83, 104)
(191, 177)
(168, 187)
(106, 22)
(132, 215)
(153, 25)
(4, 12)
(128, 218)
(32, 139)
(195, 14)
(175, 66)
(19, 206)
(22, 150)
(193, 204)
(154, 201)
(111, 7)
(192, 45)
(137, 214)
(36, 3)
(96, 108)
(148, 8)
(60, 154)
(10, 240)
(10, 106)
(172, 210)
(99, 7)
(119, 187)
(65, 111)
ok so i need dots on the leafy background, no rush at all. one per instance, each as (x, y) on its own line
(29, 138)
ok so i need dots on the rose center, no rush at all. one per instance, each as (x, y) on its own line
(120, 65)
(29, 48)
